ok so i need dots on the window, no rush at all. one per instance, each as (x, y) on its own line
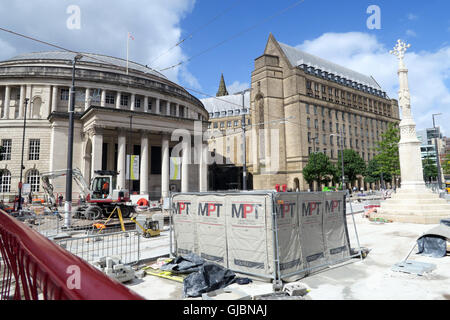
(110, 99)
(6, 154)
(323, 89)
(149, 106)
(308, 123)
(64, 95)
(123, 100)
(331, 126)
(137, 103)
(329, 113)
(222, 125)
(337, 115)
(5, 181)
(323, 126)
(316, 86)
(309, 137)
(33, 180)
(236, 123)
(216, 125)
(324, 139)
(315, 110)
(229, 124)
(337, 127)
(331, 140)
(209, 125)
(343, 116)
(308, 84)
(35, 145)
(316, 124)
(323, 111)
(307, 108)
(309, 151)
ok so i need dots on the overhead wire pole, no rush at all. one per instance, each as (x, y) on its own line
(19, 206)
(244, 137)
(68, 203)
(436, 147)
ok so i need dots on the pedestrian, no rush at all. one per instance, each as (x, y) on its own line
(30, 198)
(60, 199)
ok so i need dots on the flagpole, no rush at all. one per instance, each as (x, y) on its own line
(128, 41)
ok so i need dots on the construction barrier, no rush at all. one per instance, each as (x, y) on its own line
(280, 236)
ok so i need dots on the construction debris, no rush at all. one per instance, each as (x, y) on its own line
(296, 289)
(114, 268)
(414, 267)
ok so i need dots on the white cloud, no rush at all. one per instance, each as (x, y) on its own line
(154, 24)
(410, 33)
(237, 86)
(428, 71)
(412, 16)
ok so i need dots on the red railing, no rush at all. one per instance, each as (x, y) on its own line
(34, 268)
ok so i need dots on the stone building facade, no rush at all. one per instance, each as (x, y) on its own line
(318, 98)
(117, 112)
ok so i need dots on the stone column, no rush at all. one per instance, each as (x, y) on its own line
(118, 100)
(54, 98)
(177, 110)
(203, 169)
(186, 159)
(144, 163)
(168, 108)
(121, 159)
(165, 178)
(87, 99)
(6, 102)
(145, 104)
(21, 101)
(133, 102)
(157, 106)
(103, 98)
(97, 150)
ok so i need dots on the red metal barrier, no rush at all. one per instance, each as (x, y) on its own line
(36, 268)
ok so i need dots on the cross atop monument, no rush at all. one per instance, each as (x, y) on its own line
(400, 49)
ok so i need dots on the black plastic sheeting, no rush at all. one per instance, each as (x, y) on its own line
(204, 276)
(432, 246)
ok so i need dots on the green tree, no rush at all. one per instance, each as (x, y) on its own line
(430, 171)
(446, 164)
(373, 172)
(354, 165)
(319, 169)
(388, 155)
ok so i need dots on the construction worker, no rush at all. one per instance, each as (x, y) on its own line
(105, 188)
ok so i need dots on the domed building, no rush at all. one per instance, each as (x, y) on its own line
(121, 108)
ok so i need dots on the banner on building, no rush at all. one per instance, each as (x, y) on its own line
(133, 167)
(175, 168)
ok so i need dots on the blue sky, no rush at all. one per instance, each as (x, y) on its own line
(334, 30)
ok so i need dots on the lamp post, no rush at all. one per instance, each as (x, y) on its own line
(244, 161)
(341, 135)
(436, 147)
(19, 206)
(68, 203)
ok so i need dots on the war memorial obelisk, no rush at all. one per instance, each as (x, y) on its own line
(413, 202)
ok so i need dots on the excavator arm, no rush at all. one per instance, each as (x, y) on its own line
(76, 175)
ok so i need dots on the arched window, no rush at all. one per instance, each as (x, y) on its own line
(5, 181)
(33, 179)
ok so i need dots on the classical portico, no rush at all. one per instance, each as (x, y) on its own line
(108, 138)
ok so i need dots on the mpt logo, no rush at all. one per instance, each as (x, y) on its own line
(209, 208)
(182, 208)
(285, 209)
(310, 208)
(333, 206)
(244, 209)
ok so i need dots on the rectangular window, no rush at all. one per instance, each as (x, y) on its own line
(5, 181)
(331, 126)
(236, 123)
(156, 160)
(110, 99)
(308, 84)
(137, 103)
(6, 154)
(316, 124)
(308, 123)
(309, 137)
(123, 100)
(315, 110)
(229, 124)
(35, 146)
(149, 106)
(64, 95)
(307, 108)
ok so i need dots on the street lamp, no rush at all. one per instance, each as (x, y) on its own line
(19, 206)
(244, 161)
(438, 164)
(68, 203)
(341, 135)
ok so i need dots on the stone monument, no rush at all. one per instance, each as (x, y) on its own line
(413, 202)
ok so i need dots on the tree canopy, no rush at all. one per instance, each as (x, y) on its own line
(388, 156)
(320, 169)
(354, 165)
